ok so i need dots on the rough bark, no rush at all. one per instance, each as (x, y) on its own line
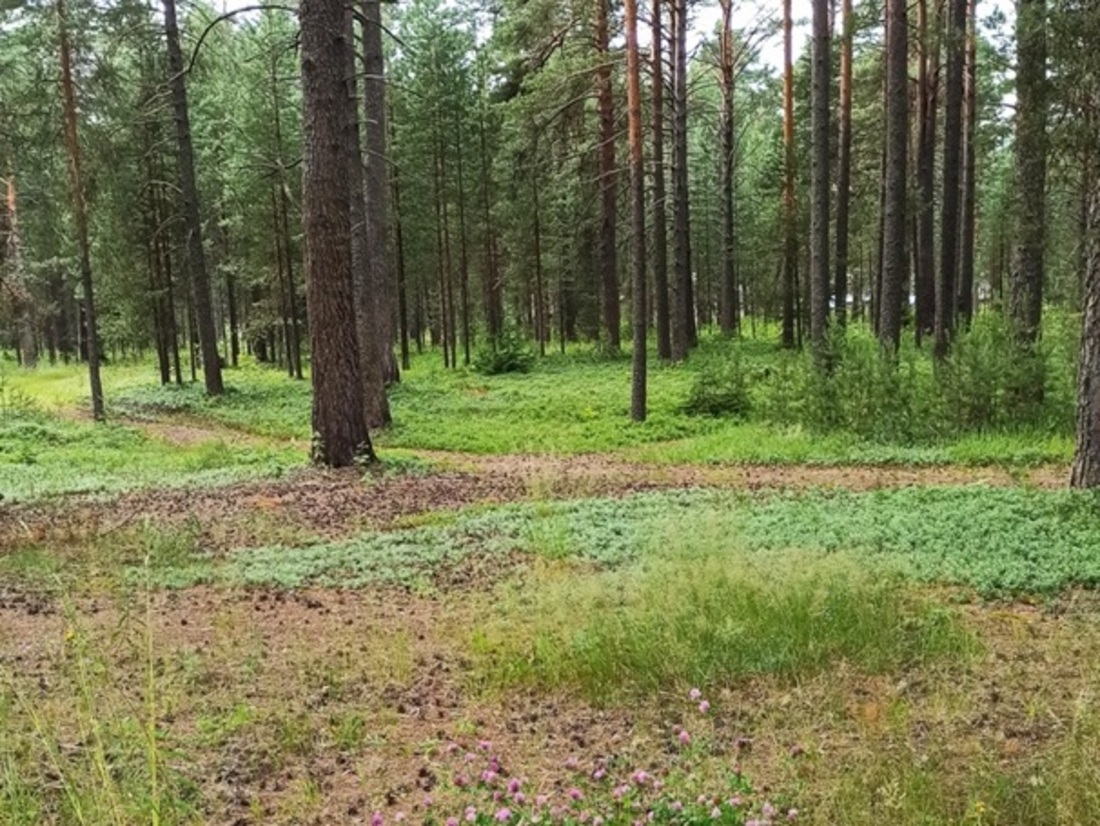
(730, 310)
(819, 180)
(894, 265)
(947, 286)
(637, 214)
(608, 259)
(660, 196)
(201, 297)
(80, 214)
(1025, 300)
(366, 249)
(683, 329)
(1086, 458)
(377, 185)
(339, 427)
(925, 219)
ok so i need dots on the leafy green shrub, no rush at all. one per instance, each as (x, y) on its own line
(508, 353)
(720, 388)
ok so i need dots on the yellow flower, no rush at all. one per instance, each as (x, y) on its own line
(70, 634)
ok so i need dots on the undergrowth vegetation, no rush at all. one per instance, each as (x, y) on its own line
(997, 541)
(707, 615)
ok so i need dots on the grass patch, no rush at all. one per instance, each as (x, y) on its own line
(705, 616)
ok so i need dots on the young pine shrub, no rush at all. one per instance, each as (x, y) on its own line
(507, 353)
(720, 387)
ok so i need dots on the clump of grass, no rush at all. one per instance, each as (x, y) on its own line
(702, 616)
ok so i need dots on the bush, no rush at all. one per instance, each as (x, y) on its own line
(720, 388)
(508, 353)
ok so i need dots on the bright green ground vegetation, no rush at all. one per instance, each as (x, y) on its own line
(731, 403)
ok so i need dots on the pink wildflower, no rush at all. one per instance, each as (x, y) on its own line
(400, 816)
(695, 694)
(792, 814)
(471, 814)
(575, 793)
(504, 815)
(571, 763)
(452, 821)
(704, 707)
(685, 738)
(461, 781)
(715, 813)
(599, 774)
(519, 798)
(640, 777)
(677, 806)
(513, 785)
(768, 810)
(376, 819)
(542, 800)
(484, 745)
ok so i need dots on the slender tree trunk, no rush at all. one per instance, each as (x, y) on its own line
(925, 286)
(370, 287)
(637, 214)
(340, 430)
(970, 171)
(196, 255)
(947, 287)
(790, 243)
(683, 289)
(80, 213)
(292, 332)
(541, 333)
(377, 183)
(402, 289)
(490, 283)
(444, 333)
(844, 167)
(463, 258)
(730, 311)
(660, 196)
(24, 301)
(609, 274)
(820, 181)
(1086, 459)
(1025, 303)
(897, 138)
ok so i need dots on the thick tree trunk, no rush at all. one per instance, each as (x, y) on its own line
(947, 287)
(366, 247)
(894, 270)
(80, 215)
(660, 196)
(925, 288)
(844, 168)
(1086, 459)
(637, 214)
(1025, 303)
(969, 172)
(402, 281)
(730, 310)
(189, 191)
(820, 181)
(608, 173)
(339, 427)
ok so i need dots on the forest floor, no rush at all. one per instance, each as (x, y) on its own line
(206, 630)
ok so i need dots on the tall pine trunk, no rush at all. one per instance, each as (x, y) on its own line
(1086, 459)
(947, 286)
(80, 214)
(730, 309)
(844, 167)
(201, 296)
(925, 218)
(968, 217)
(660, 195)
(819, 181)
(683, 330)
(608, 173)
(1025, 302)
(637, 214)
(339, 427)
(894, 265)
(790, 242)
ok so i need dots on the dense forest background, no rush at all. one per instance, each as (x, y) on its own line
(533, 174)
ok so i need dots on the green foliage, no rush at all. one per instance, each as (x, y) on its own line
(705, 614)
(999, 541)
(720, 387)
(508, 353)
